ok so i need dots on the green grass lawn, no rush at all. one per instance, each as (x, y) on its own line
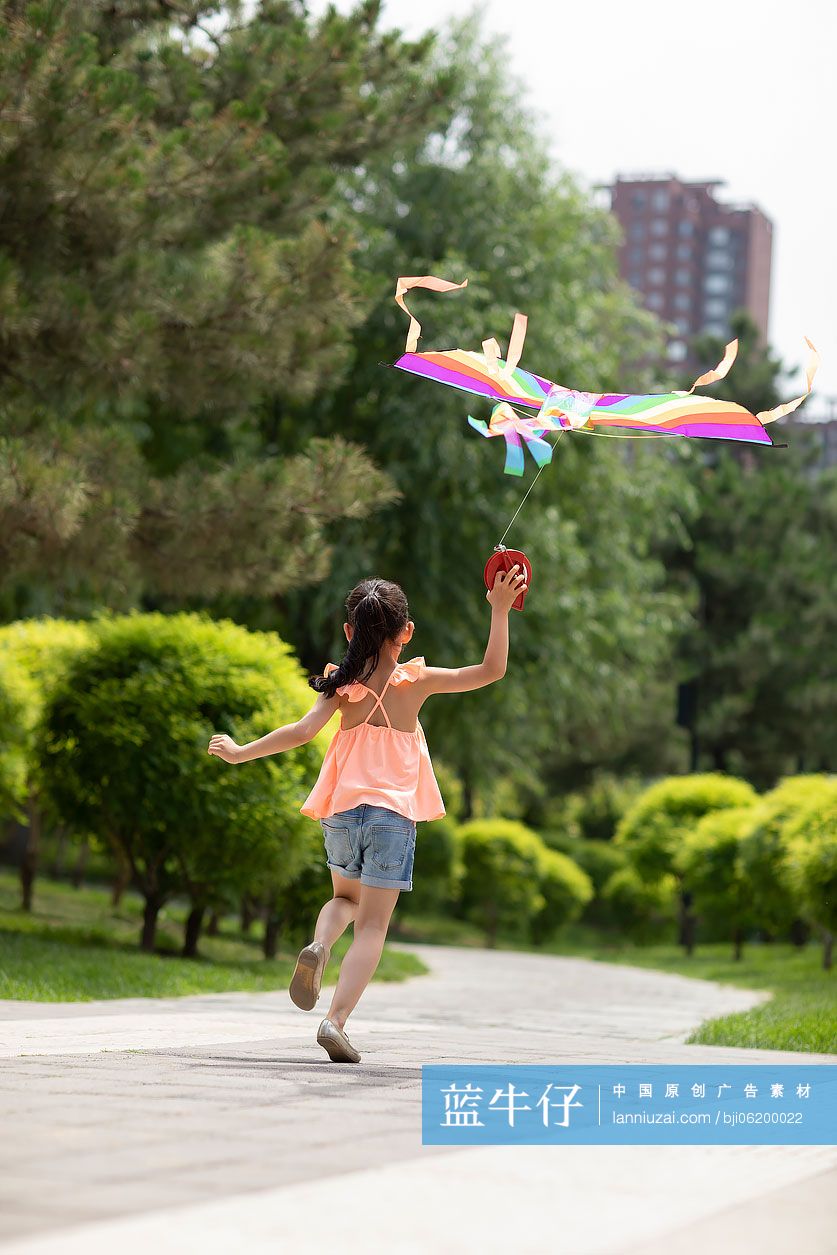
(75, 947)
(801, 1015)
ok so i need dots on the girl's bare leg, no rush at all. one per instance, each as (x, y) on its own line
(363, 955)
(338, 912)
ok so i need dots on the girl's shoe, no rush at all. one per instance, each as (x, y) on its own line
(335, 1042)
(308, 974)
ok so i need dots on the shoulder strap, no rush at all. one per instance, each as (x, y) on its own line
(379, 700)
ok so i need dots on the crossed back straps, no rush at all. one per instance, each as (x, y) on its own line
(379, 702)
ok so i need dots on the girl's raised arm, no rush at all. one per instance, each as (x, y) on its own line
(288, 737)
(507, 586)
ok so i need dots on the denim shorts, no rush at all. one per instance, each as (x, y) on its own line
(371, 844)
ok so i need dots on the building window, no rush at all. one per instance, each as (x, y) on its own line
(683, 325)
(716, 283)
(684, 252)
(657, 251)
(716, 328)
(635, 278)
(682, 277)
(638, 200)
(637, 230)
(685, 228)
(682, 301)
(676, 351)
(659, 226)
(719, 235)
(660, 199)
(715, 308)
(656, 275)
(654, 300)
(716, 259)
(636, 253)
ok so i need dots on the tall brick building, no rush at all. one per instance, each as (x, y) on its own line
(694, 259)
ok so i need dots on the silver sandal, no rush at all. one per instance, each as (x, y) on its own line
(336, 1044)
(308, 974)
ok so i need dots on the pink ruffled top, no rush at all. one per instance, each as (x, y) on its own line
(379, 765)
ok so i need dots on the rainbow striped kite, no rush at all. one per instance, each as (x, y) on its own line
(506, 383)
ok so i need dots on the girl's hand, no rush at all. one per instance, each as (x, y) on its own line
(507, 587)
(223, 746)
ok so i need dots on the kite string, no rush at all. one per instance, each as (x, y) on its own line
(528, 490)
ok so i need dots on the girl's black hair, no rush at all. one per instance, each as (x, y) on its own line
(378, 611)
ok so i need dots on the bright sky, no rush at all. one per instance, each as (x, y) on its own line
(742, 90)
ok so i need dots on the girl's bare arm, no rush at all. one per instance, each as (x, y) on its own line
(288, 737)
(493, 666)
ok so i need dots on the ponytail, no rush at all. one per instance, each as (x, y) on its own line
(377, 611)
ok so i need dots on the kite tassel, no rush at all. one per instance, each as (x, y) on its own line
(405, 284)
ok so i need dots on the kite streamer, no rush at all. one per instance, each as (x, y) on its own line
(405, 284)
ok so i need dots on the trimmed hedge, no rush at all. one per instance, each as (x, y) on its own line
(566, 889)
(641, 909)
(653, 829)
(709, 861)
(764, 848)
(811, 866)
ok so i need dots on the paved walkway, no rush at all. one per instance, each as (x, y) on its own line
(216, 1123)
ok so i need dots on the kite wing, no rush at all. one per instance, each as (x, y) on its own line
(667, 414)
(471, 373)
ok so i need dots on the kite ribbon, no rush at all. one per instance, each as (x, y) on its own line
(404, 284)
(517, 432)
(719, 372)
(779, 411)
(491, 348)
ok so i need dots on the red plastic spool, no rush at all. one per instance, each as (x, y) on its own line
(504, 560)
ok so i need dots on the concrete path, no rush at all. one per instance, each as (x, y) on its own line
(217, 1124)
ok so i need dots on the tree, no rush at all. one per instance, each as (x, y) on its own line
(655, 827)
(763, 646)
(482, 199)
(175, 247)
(812, 866)
(38, 651)
(709, 861)
(764, 852)
(124, 754)
(502, 863)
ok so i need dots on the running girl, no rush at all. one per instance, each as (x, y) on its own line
(376, 782)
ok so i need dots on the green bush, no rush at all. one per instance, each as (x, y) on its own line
(451, 789)
(501, 864)
(811, 866)
(764, 849)
(437, 871)
(566, 890)
(640, 909)
(17, 718)
(124, 753)
(38, 652)
(709, 861)
(653, 829)
(593, 814)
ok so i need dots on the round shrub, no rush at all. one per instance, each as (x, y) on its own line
(709, 861)
(764, 848)
(501, 864)
(566, 890)
(437, 869)
(811, 866)
(654, 828)
(125, 755)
